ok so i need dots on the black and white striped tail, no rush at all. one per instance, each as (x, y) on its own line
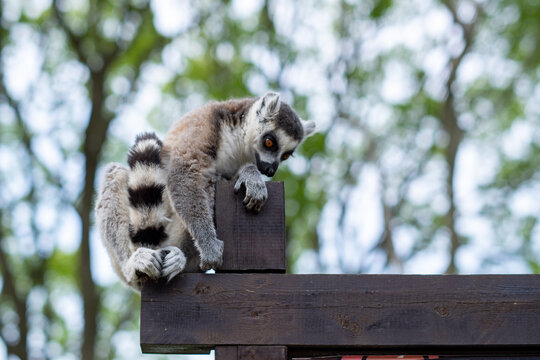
(146, 189)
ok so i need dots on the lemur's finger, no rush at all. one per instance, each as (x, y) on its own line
(238, 185)
(147, 261)
(171, 271)
(173, 263)
(154, 273)
(173, 274)
(150, 269)
(156, 259)
(252, 204)
(154, 268)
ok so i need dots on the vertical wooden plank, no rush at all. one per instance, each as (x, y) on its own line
(253, 242)
(226, 353)
(262, 353)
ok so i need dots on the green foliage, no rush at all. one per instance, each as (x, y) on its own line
(409, 162)
(62, 268)
(380, 8)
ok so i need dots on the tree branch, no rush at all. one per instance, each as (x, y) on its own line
(10, 291)
(449, 121)
(74, 40)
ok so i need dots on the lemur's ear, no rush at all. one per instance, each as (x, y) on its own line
(310, 128)
(269, 105)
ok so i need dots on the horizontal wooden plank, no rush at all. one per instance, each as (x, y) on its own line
(416, 357)
(253, 242)
(200, 311)
(450, 353)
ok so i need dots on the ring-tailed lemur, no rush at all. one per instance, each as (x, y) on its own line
(156, 218)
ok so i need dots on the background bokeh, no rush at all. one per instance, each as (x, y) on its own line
(427, 159)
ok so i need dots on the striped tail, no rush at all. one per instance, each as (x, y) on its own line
(146, 189)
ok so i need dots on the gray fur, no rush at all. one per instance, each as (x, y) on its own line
(113, 219)
(143, 260)
(173, 262)
(193, 201)
(269, 106)
(218, 141)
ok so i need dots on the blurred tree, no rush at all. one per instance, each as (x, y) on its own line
(427, 157)
(100, 43)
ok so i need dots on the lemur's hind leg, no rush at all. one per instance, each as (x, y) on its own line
(112, 216)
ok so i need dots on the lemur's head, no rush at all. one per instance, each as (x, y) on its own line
(279, 132)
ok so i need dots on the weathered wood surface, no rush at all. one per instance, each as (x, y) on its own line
(438, 352)
(200, 311)
(226, 353)
(251, 353)
(253, 242)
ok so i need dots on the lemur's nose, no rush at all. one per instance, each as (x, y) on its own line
(271, 169)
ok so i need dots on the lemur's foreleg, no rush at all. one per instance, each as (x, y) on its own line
(192, 195)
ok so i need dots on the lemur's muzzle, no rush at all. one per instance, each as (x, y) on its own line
(268, 169)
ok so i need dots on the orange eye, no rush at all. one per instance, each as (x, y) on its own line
(285, 156)
(268, 143)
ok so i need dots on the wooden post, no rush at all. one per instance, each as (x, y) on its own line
(253, 242)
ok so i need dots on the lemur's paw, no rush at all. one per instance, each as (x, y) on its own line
(212, 255)
(256, 193)
(173, 262)
(143, 262)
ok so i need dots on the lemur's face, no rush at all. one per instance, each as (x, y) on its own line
(281, 131)
(273, 147)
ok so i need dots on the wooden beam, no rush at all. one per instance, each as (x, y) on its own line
(201, 311)
(253, 242)
(251, 353)
(226, 353)
(262, 353)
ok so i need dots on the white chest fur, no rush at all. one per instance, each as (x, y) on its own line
(234, 151)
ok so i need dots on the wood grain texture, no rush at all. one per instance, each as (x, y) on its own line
(253, 242)
(262, 353)
(349, 311)
(251, 353)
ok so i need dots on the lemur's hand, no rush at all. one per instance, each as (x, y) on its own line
(211, 254)
(142, 262)
(256, 193)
